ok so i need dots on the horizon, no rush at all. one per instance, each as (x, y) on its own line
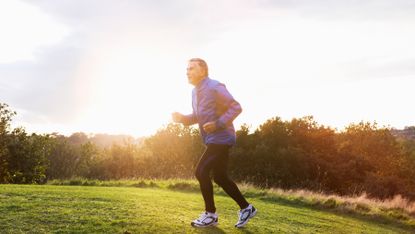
(251, 128)
(120, 68)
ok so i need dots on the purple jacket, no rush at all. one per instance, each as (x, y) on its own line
(211, 101)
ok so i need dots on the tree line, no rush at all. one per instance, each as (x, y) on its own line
(294, 154)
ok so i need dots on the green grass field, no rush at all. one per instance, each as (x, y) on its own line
(96, 209)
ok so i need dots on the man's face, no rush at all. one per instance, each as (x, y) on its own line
(194, 73)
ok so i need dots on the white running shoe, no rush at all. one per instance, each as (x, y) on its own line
(206, 219)
(244, 215)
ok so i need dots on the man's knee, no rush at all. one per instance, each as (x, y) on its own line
(220, 179)
(200, 175)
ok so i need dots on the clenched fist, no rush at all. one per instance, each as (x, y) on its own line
(209, 127)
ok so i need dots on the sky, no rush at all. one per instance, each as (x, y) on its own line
(119, 67)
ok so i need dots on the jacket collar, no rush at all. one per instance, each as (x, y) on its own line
(202, 83)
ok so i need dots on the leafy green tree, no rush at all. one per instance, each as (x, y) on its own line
(27, 156)
(88, 160)
(62, 159)
(6, 116)
(174, 151)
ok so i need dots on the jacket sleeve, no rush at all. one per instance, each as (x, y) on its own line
(231, 108)
(192, 118)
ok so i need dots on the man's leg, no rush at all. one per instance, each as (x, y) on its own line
(202, 174)
(220, 176)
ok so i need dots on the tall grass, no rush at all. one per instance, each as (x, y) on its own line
(397, 208)
(359, 202)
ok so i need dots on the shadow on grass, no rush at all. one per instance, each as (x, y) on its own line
(209, 230)
(143, 184)
(219, 230)
(184, 187)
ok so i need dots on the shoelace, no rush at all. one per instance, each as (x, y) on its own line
(202, 216)
(241, 212)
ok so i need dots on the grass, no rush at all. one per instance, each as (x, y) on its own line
(395, 210)
(163, 207)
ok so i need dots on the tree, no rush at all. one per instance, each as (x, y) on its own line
(27, 157)
(174, 151)
(6, 116)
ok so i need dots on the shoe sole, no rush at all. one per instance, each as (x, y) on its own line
(250, 217)
(204, 226)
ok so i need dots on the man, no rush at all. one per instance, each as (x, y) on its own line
(214, 109)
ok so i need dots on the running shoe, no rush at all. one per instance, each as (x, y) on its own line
(244, 215)
(206, 219)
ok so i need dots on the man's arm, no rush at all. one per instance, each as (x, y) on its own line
(184, 119)
(232, 107)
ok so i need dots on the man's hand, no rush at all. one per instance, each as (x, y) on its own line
(177, 117)
(209, 127)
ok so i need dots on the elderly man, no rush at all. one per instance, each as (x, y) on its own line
(214, 109)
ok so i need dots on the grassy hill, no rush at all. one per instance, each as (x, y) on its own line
(141, 209)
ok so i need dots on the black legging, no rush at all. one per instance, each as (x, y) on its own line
(215, 158)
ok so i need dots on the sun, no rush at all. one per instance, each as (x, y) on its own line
(131, 92)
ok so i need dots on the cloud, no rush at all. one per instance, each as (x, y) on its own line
(346, 10)
(194, 19)
(45, 87)
(296, 42)
(25, 28)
